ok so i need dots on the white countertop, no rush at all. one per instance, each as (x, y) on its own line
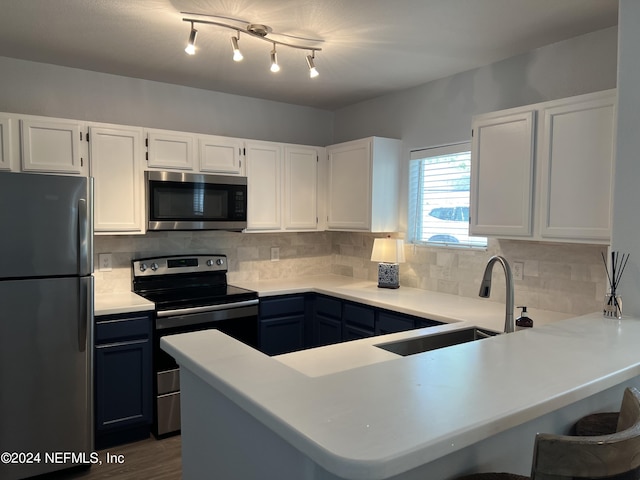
(412, 301)
(364, 413)
(116, 303)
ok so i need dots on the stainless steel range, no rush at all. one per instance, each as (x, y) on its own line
(190, 293)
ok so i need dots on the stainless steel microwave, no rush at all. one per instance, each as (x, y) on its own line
(185, 201)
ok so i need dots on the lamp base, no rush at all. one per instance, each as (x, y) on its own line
(388, 275)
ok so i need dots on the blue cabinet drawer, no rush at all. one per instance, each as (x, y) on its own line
(359, 315)
(276, 307)
(389, 323)
(328, 307)
(110, 329)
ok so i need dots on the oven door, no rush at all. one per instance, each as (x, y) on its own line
(183, 201)
(238, 320)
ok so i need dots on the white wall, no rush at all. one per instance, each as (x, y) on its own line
(440, 112)
(626, 220)
(49, 90)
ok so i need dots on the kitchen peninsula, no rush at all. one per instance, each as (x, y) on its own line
(355, 411)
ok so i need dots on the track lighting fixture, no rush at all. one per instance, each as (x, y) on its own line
(191, 45)
(259, 31)
(313, 71)
(237, 54)
(274, 61)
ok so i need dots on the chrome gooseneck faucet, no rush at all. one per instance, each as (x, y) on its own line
(485, 289)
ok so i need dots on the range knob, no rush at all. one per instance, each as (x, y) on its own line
(143, 267)
(154, 266)
(209, 263)
(220, 262)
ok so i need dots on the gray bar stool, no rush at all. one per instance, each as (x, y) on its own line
(614, 456)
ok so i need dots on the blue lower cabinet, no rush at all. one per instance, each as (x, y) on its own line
(326, 330)
(122, 379)
(295, 322)
(327, 320)
(358, 321)
(425, 322)
(282, 335)
(390, 322)
(282, 322)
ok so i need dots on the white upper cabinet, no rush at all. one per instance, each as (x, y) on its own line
(363, 185)
(264, 186)
(576, 168)
(569, 145)
(51, 145)
(282, 187)
(116, 154)
(300, 210)
(220, 154)
(6, 142)
(502, 174)
(170, 150)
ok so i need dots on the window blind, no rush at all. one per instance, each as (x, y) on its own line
(439, 186)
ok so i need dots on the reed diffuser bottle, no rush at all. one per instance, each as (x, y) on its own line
(613, 301)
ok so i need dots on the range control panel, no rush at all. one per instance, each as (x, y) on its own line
(143, 267)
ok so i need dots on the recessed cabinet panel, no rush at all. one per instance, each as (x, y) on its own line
(301, 188)
(170, 150)
(577, 170)
(264, 161)
(350, 186)
(502, 174)
(6, 142)
(51, 145)
(116, 157)
(220, 154)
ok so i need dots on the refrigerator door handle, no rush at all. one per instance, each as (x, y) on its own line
(85, 238)
(85, 311)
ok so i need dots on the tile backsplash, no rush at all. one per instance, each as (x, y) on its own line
(560, 277)
(248, 254)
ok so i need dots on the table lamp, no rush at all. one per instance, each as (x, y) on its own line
(389, 252)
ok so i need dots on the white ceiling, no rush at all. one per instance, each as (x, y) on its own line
(369, 47)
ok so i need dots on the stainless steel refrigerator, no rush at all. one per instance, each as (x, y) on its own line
(46, 323)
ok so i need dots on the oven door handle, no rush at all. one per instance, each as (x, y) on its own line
(207, 308)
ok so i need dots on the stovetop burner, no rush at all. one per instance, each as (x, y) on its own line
(197, 296)
(186, 281)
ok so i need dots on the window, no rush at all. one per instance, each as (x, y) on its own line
(439, 181)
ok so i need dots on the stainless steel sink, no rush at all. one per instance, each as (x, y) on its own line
(434, 341)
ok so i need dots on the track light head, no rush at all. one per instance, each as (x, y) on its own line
(274, 61)
(237, 54)
(313, 71)
(191, 44)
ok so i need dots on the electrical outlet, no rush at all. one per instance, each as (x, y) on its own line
(518, 270)
(275, 254)
(104, 262)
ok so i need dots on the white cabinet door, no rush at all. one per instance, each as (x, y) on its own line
(264, 174)
(116, 165)
(577, 158)
(173, 150)
(502, 163)
(220, 154)
(349, 186)
(300, 188)
(51, 145)
(6, 142)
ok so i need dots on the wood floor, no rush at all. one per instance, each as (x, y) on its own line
(151, 458)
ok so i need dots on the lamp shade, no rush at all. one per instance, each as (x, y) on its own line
(388, 250)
